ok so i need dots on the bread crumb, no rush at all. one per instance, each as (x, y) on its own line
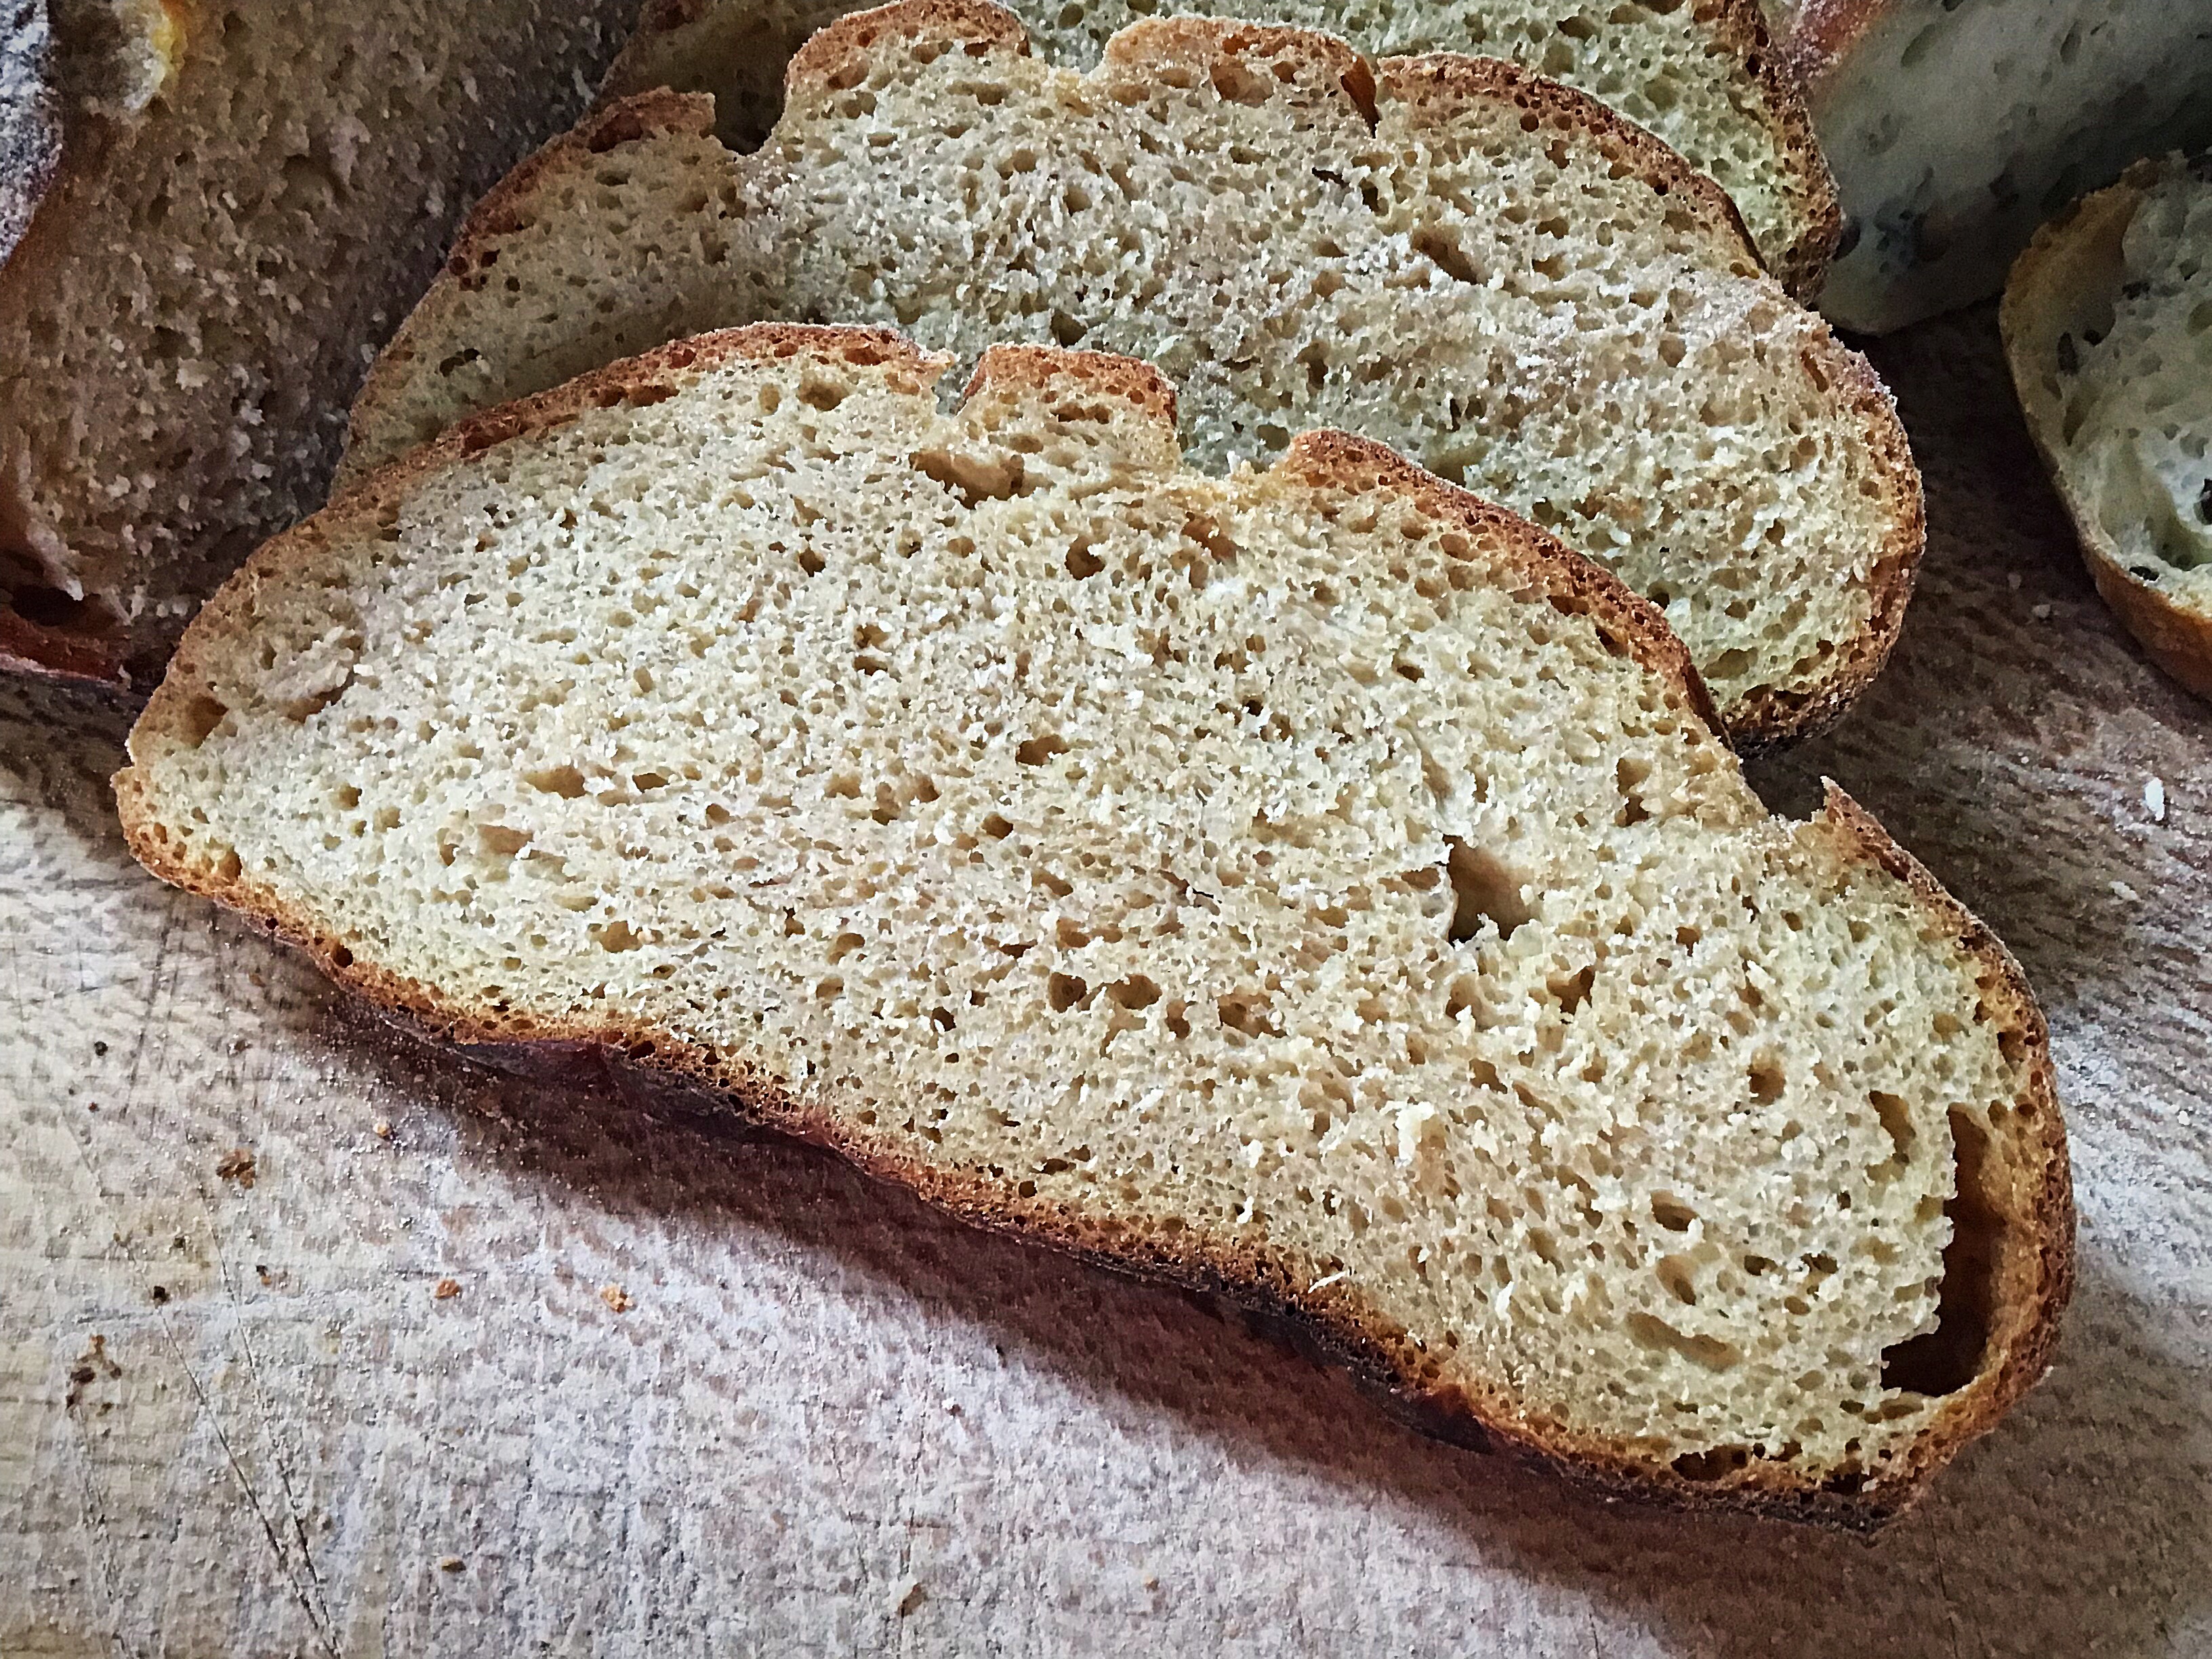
(2121, 890)
(446, 1289)
(2040, 612)
(450, 1563)
(910, 1595)
(236, 1164)
(616, 1298)
(2012, 580)
(382, 1129)
(2154, 799)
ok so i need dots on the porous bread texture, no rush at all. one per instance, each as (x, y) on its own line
(2108, 322)
(1483, 270)
(1705, 78)
(1955, 127)
(1314, 883)
(251, 193)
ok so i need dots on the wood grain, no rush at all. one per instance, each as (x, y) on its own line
(241, 1420)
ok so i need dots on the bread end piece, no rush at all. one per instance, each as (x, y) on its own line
(2063, 283)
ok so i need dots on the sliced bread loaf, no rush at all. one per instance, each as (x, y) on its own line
(1485, 270)
(2108, 323)
(1705, 78)
(248, 197)
(1955, 127)
(1314, 882)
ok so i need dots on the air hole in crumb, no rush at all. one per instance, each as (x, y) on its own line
(1082, 562)
(615, 936)
(1573, 989)
(1708, 1352)
(1483, 889)
(1035, 751)
(1440, 250)
(1135, 992)
(1948, 1357)
(1671, 1212)
(1673, 1273)
(1766, 1081)
(1064, 991)
(996, 827)
(973, 478)
(1247, 1012)
(1896, 1123)
(563, 781)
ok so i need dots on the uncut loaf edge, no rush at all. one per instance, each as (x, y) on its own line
(2004, 1274)
(2102, 279)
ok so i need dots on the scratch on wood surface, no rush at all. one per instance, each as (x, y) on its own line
(315, 1619)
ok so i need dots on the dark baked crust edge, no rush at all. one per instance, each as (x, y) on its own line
(2172, 635)
(1383, 1356)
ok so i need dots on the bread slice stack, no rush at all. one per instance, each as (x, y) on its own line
(1491, 274)
(1705, 78)
(1311, 883)
(2107, 322)
(222, 210)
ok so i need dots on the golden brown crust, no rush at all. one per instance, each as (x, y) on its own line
(836, 56)
(1003, 368)
(1383, 1355)
(2070, 259)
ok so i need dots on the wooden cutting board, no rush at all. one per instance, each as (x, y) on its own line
(312, 1344)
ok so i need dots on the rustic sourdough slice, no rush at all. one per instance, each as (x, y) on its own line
(2108, 323)
(1955, 127)
(1481, 269)
(1314, 882)
(1705, 78)
(246, 198)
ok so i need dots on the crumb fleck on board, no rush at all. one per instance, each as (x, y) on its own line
(616, 1298)
(446, 1289)
(237, 1164)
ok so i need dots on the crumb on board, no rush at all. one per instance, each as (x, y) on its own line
(910, 1595)
(382, 1129)
(2154, 799)
(450, 1563)
(616, 1298)
(445, 1289)
(2040, 612)
(237, 1164)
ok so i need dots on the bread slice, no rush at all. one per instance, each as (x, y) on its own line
(1705, 78)
(1303, 239)
(1956, 128)
(245, 200)
(2107, 322)
(1316, 884)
